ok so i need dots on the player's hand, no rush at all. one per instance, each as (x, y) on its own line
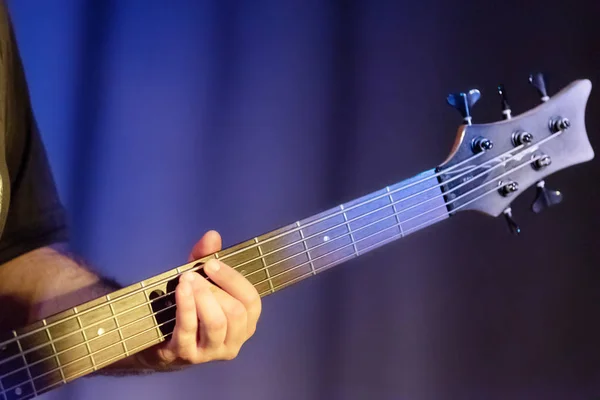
(212, 323)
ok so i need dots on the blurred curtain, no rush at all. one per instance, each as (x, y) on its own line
(164, 119)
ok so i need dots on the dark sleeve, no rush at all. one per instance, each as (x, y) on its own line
(34, 216)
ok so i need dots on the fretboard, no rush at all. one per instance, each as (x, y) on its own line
(81, 340)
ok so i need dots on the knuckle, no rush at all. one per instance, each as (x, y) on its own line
(183, 326)
(237, 309)
(231, 354)
(215, 324)
(251, 330)
(251, 297)
(186, 353)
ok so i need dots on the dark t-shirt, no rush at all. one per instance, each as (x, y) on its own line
(31, 214)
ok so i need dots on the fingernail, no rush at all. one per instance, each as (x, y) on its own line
(188, 276)
(213, 265)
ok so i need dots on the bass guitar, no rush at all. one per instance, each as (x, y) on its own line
(487, 168)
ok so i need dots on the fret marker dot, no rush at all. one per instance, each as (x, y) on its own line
(18, 391)
(100, 332)
(325, 238)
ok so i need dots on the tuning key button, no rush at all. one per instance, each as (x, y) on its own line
(545, 198)
(542, 162)
(481, 144)
(559, 124)
(463, 102)
(539, 82)
(522, 137)
(508, 188)
(506, 111)
(512, 225)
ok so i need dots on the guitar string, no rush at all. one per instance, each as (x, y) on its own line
(256, 271)
(390, 239)
(446, 171)
(387, 217)
(279, 249)
(366, 249)
(173, 319)
(531, 149)
(285, 283)
(361, 216)
(528, 149)
(108, 361)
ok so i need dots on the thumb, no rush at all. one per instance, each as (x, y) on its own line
(208, 244)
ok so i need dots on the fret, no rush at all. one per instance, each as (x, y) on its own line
(369, 221)
(329, 231)
(328, 261)
(158, 332)
(325, 233)
(135, 322)
(284, 254)
(14, 379)
(306, 248)
(68, 345)
(348, 228)
(85, 339)
(116, 358)
(395, 210)
(302, 277)
(25, 387)
(246, 258)
(417, 210)
(290, 260)
(122, 339)
(264, 263)
(62, 375)
(69, 342)
(320, 223)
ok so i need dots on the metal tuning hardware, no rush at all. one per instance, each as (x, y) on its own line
(506, 188)
(542, 162)
(538, 81)
(545, 198)
(506, 111)
(463, 102)
(559, 124)
(521, 137)
(480, 144)
(512, 225)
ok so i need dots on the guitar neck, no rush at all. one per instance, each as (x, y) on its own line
(86, 338)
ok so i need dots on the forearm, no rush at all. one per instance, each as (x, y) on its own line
(47, 281)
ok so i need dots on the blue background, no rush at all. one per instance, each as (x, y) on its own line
(164, 119)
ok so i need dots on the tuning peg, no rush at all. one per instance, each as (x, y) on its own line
(512, 225)
(463, 103)
(545, 198)
(538, 81)
(505, 107)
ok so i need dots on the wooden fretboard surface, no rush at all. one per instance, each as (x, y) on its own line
(76, 342)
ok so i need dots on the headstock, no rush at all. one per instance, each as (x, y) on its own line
(491, 164)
